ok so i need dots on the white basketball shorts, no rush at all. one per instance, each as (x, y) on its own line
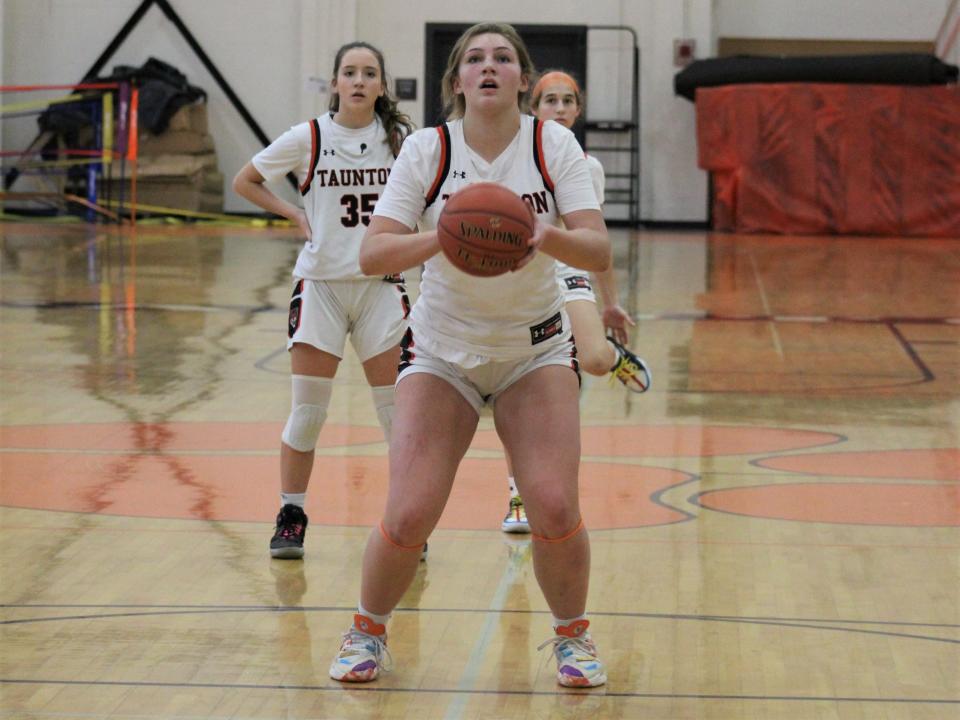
(373, 312)
(574, 284)
(482, 384)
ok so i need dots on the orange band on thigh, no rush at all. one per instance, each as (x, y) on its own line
(395, 543)
(566, 537)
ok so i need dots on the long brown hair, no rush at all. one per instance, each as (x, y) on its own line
(396, 124)
(453, 102)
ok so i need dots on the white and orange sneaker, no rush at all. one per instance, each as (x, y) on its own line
(363, 652)
(577, 661)
(515, 521)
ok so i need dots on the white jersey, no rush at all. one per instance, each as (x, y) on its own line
(597, 176)
(469, 320)
(599, 186)
(341, 173)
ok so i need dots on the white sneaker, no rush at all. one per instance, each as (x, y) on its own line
(577, 661)
(362, 654)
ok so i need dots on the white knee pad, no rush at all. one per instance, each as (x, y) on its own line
(383, 401)
(311, 397)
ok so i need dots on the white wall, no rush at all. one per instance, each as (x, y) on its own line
(267, 50)
(2, 33)
(905, 20)
(948, 37)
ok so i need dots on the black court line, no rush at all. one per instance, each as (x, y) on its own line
(657, 497)
(598, 693)
(926, 374)
(262, 363)
(807, 624)
(914, 356)
(679, 316)
(351, 608)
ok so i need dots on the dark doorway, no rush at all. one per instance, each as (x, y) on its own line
(550, 46)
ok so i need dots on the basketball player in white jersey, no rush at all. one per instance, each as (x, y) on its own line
(557, 96)
(504, 340)
(341, 160)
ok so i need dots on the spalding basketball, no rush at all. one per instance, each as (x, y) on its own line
(484, 229)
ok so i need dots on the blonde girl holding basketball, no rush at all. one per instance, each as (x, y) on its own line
(502, 340)
(342, 160)
(601, 337)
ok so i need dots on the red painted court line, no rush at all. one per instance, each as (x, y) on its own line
(634, 441)
(173, 436)
(78, 86)
(65, 151)
(352, 489)
(940, 464)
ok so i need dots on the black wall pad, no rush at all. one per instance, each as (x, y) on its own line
(888, 69)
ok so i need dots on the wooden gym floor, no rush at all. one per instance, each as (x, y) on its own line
(774, 526)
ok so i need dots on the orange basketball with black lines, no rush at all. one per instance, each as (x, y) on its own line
(484, 228)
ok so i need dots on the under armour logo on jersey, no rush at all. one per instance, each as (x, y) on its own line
(328, 152)
(460, 174)
(363, 146)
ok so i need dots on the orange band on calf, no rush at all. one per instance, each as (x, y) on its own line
(569, 535)
(393, 542)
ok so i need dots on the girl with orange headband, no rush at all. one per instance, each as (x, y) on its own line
(601, 339)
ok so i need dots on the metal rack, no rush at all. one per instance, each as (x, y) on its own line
(620, 138)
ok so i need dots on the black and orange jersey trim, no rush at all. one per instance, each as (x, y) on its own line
(538, 159)
(443, 167)
(397, 281)
(574, 363)
(314, 156)
(406, 350)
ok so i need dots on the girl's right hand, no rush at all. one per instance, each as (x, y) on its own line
(533, 244)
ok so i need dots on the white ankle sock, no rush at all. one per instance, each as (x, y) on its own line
(513, 487)
(297, 499)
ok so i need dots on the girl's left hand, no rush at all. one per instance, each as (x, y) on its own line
(533, 244)
(616, 320)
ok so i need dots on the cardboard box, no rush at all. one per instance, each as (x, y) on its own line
(191, 118)
(201, 191)
(175, 142)
(178, 196)
(175, 166)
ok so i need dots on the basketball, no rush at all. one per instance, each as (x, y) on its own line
(484, 229)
